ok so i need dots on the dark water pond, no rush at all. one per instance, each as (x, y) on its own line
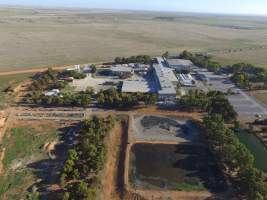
(257, 149)
(161, 166)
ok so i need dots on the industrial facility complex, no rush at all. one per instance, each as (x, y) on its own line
(161, 77)
(166, 80)
(179, 64)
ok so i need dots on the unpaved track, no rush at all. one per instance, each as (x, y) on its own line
(41, 69)
(29, 70)
(109, 183)
(156, 194)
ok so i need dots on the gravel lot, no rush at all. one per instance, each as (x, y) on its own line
(183, 131)
(245, 105)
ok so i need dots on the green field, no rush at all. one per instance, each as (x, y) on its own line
(32, 37)
(23, 146)
(10, 80)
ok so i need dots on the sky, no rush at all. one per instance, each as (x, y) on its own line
(258, 7)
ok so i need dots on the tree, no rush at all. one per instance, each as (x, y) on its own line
(241, 79)
(253, 184)
(213, 66)
(186, 55)
(93, 68)
(73, 155)
(66, 196)
(236, 158)
(118, 60)
(166, 54)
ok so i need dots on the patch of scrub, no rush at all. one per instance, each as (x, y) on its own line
(184, 167)
(159, 128)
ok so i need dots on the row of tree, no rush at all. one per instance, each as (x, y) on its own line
(236, 159)
(213, 102)
(73, 73)
(46, 80)
(51, 79)
(82, 98)
(113, 98)
(145, 59)
(245, 74)
(80, 176)
(202, 61)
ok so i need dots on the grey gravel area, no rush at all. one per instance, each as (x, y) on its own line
(245, 105)
(165, 129)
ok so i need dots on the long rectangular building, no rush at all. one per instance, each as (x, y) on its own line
(133, 86)
(165, 79)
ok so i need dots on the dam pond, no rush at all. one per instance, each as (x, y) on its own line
(257, 148)
(174, 167)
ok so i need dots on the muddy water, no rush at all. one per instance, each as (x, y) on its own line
(257, 149)
(161, 166)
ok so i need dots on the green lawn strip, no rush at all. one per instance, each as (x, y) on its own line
(188, 187)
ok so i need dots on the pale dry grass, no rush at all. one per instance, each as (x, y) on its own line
(41, 37)
(261, 96)
(257, 57)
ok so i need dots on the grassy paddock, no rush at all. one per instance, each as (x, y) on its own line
(257, 57)
(23, 145)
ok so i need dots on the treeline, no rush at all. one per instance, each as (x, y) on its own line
(47, 80)
(213, 102)
(145, 59)
(244, 75)
(113, 98)
(73, 73)
(80, 176)
(236, 159)
(82, 98)
(51, 79)
(203, 61)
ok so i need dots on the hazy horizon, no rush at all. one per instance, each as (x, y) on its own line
(245, 7)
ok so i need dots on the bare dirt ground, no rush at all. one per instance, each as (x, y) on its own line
(173, 195)
(39, 69)
(153, 110)
(2, 154)
(109, 177)
(8, 119)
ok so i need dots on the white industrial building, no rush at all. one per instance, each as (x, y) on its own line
(134, 86)
(75, 68)
(165, 82)
(121, 70)
(179, 64)
(165, 79)
(186, 80)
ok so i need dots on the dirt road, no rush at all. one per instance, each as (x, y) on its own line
(109, 181)
(41, 69)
